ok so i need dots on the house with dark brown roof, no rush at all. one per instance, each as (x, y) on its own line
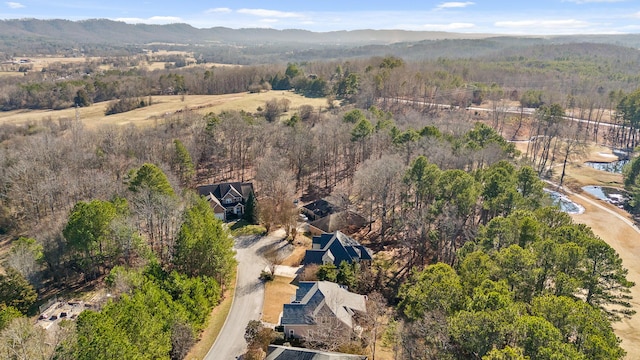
(228, 200)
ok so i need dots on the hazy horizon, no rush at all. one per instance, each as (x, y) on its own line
(544, 17)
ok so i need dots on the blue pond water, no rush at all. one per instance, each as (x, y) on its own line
(564, 203)
(612, 167)
(614, 196)
(595, 191)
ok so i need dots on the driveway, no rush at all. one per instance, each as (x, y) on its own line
(249, 296)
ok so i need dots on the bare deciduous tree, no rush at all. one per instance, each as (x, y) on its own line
(377, 184)
(276, 192)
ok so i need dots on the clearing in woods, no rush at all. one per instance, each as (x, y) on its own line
(163, 106)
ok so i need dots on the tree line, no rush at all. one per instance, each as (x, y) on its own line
(434, 186)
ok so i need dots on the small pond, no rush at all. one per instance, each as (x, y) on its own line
(612, 167)
(612, 195)
(564, 203)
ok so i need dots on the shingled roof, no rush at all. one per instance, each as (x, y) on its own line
(315, 296)
(277, 352)
(221, 189)
(336, 247)
(347, 221)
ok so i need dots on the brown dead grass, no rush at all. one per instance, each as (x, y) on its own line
(277, 293)
(93, 116)
(582, 175)
(38, 63)
(11, 74)
(624, 238)
(626, 241)
(301, 244)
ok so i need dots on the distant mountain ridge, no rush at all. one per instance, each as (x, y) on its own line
(119, 33)
(102, 37)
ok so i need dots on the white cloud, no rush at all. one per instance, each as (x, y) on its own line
(222, 10)
(165, 19)
(269, 21)
(270, 13)
(14, 5)
(454, 4)
(154, 20)
(447, 27)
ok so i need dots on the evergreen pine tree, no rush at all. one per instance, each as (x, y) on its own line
(251, 210)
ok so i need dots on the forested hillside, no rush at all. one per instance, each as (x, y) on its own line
(471, 260)
(100, 37)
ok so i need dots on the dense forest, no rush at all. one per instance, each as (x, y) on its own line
(472, 260)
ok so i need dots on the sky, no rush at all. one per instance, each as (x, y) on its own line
(521, 17)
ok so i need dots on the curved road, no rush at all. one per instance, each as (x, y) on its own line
(248, 299)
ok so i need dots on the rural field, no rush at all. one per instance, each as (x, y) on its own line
(150, 61)
(162, 106)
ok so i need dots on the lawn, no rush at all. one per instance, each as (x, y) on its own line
(242, 227)
(277, 293)
(301, 245)
(216, 321)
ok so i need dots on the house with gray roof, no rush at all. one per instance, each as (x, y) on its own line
(321, 306)
(278, 352)
(228, 200)
(335, 248)
(346, 221)
(318, 209)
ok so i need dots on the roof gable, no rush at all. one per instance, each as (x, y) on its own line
(341, 246)
(219, 190)
(216, 193)
(232, 192)
(315, 296)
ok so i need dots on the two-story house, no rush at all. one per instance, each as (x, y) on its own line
(321, 306)
(228, 200)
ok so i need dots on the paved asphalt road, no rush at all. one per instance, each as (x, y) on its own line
(249, 297)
